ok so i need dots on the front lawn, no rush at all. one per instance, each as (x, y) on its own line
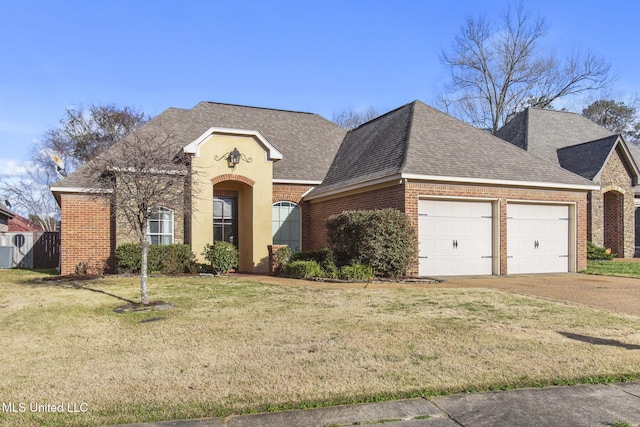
(614, 268)
(234, 346)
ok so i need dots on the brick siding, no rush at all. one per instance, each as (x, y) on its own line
(404, 197)
(87, 233)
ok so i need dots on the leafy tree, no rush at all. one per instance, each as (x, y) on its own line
(497, 70)
(616, 116)
(351, 119)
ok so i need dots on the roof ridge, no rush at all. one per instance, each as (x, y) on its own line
(255, 107)
(408, 137)
(381, 116)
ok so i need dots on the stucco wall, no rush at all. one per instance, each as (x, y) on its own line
(252, 181)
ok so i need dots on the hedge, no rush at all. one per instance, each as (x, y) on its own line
(165, 259)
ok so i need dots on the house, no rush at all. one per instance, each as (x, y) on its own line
(479, 204)
(5, 216)
(22, 224)
(577, 144)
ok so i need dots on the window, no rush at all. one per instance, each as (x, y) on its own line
(160, 227)
(286, 225)
(225, 224)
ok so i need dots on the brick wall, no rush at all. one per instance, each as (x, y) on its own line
(404, 197)
(87, 233)
(502, 194)
(381, 198)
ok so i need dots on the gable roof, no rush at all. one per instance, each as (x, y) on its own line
(567, 139)
(543, 132)
(417, 141)
(307, 141)
(588, 158)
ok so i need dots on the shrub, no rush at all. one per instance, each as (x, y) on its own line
(165, 259)
(283, 254)
(173, 259)
(356, 272)
(595, 252)
(223, 256)
(128, 258)
(324, 257)
(383, 239)
(302, 269)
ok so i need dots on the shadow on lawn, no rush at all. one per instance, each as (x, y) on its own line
(600, 341)
(77, 284)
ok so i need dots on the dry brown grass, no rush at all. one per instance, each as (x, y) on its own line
(231, 345)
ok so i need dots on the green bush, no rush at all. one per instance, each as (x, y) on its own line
(128, 258)
(383, 239)
(595, 253)
(223, 256)
(356, 272)
(165, 259)
(173, 259)
(302, 269)
(324, 257)
(283, 254)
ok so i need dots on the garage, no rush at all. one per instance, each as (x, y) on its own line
(455, 237)
(537, 238)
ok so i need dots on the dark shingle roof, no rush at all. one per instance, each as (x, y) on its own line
(544, 132)
(307, 141)
(420, 140)
(587, 159)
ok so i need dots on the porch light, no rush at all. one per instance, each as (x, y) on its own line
(233, 158)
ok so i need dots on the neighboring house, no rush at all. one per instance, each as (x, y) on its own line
(5, 216)
(577, 144)
(21, 224)
(479, 204)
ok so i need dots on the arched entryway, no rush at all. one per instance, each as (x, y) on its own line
(614, 222)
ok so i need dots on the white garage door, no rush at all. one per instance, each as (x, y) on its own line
(455, 238)
(537, 238)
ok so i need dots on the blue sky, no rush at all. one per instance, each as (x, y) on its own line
(316, 56)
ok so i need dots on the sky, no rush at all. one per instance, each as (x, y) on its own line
(313, 56)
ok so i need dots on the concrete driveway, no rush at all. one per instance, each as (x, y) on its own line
(619, 294)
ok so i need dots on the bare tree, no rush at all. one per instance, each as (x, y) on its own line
(351, 119)
(497, 71)
(30, 196)
(139, 175)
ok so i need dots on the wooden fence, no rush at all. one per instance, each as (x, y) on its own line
(33, 249)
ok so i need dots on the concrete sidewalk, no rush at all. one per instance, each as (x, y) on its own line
(576, 406)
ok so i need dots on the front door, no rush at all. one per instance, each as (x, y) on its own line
(225, 219)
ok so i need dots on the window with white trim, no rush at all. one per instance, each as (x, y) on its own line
(286, 225)
(160, 227)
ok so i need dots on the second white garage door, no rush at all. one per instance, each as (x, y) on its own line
(455, 237)
(537, 238)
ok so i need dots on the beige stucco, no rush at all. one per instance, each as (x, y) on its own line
(253, 182)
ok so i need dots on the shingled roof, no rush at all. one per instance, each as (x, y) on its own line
(308, 141)
(587, 159)
(6, 212)
(543, 132)
(419, 141)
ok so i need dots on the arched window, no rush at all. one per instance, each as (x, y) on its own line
(160, 227)
(286, 225)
